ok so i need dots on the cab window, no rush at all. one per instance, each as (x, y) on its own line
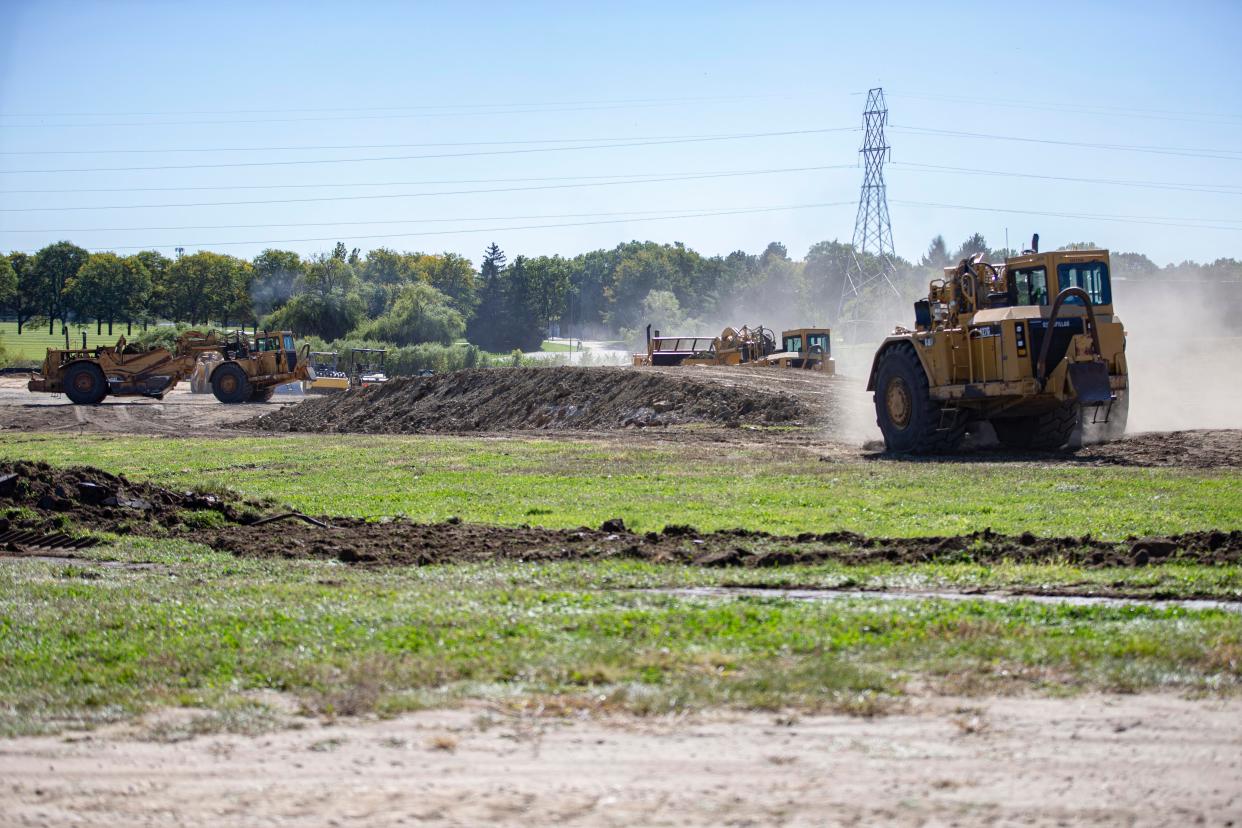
(267, 344)
(818, 341)
(1032, 286)
(288, 342)
(1090, 276)
(793, 344)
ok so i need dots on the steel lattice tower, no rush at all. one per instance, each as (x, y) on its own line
(873, 231)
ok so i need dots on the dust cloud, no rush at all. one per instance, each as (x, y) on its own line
(1184, 350)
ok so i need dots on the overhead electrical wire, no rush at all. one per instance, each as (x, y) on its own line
(1190, 152)
(1121, 182)
(505, 142)
(1160, 221)
(377, 196)
(683, 215)
(352, 117)
(338, 185)
(1222, 119)
(438, 220)
(524, 151)
(618, 101)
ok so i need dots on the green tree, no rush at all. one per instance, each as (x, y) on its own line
(108, 288)
(157, 266)
(205, 283)
(8, 283)
(975, 244)
(276, 273)
(937, 254)
(54, 266)
(27, 301)
(312, 314)
(485, 326)
(420, 313)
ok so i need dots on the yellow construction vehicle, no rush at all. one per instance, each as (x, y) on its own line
(329, 378)
(1031, 346)
(254, 365)
(87, 375)
(238, 367)
(200, 378)
(807, 348)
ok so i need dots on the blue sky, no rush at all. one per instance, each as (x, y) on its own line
(529, 101)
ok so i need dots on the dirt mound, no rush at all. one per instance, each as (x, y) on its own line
(1202, 449)
(39, 497)
(1199, 449)
(401, 543)
(502, 399)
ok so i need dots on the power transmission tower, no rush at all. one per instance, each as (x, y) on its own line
(873, 231)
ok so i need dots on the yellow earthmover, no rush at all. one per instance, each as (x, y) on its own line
(238, 367)
(807, 348)
(1031, 346)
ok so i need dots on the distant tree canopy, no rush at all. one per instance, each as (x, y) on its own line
(411, 298)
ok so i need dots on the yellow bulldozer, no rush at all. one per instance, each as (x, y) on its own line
(1030, 346)
(806, 348)
(238, 367)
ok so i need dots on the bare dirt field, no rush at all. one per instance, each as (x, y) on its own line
(831, 415)
(179, 414)
(1132, 760)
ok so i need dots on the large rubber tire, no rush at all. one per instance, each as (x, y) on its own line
(907, 415)
(262, 395)
(1039, 432)
(230, 384)
(85, 384)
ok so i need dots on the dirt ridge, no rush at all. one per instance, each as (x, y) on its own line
(551, 398)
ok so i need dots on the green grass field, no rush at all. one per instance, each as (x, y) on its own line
(569, 483)
(34, 341)
(80, 645)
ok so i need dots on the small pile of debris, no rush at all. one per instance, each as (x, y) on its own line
(35, 496)
(503, 399)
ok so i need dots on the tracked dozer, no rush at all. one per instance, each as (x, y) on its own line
(1031, 346)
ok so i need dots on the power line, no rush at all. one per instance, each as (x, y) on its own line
(1159, 221)
(1157, 185)
(640, 143)
(438, 220)
(376, 196)
(388, 183)
(1112, 111)
(618, 101)
(702, 214)
(507, 142)
(1191, 152)
(353, 117)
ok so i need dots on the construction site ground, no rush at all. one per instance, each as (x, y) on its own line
(714, 600)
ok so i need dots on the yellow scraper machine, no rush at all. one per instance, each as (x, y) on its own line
(238, 367)
(804, 348)
(1031, 346)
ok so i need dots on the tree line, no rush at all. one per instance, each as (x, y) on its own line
(407, 298)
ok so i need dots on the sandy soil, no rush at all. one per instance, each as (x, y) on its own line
(180, 413)
(1128, 760)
